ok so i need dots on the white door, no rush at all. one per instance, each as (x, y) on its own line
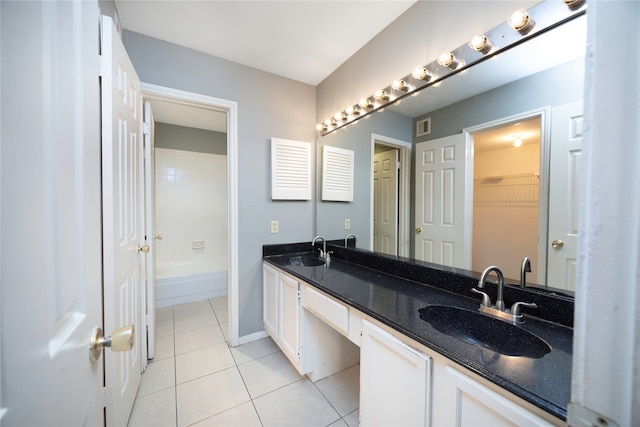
(385, 202)
(123, 218)
(150, 230)
(564, 194)
(51, 297)
(440, 200)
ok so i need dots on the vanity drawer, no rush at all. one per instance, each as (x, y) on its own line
(328, 309)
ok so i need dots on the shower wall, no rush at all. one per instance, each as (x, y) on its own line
(191, 216)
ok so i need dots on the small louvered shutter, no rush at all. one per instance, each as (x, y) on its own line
(337, 174)
(290, 169)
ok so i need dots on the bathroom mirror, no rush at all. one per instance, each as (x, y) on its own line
(532, 81)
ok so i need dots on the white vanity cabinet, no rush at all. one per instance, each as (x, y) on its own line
(463, 401)
(395, 381)
(281, 313)
(402, 382)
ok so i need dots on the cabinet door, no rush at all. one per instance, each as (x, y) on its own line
(290, 318)
(467, 402)
(395, 381)
(270, 300)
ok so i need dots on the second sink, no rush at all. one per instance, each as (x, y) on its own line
(478, 329)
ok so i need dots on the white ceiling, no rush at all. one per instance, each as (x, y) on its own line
(302, 40)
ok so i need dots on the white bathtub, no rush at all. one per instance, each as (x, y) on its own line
(179, 283)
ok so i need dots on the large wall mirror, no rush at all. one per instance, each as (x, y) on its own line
(478, 170)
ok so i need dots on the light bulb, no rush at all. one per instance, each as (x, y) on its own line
(481, 43)
(447, 59)
(340, 117)
(400, 85)
(365, 103)
(352, 110)
(420, 73)
(380, 95)
(320, 127)
(521, 21)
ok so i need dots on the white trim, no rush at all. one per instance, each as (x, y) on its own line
(404, 214)
(231, 108)
(545, 145)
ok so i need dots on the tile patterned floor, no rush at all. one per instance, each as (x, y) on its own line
(196, 379)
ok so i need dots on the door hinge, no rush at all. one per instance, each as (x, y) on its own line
(146, 128)
(100, 66)
(398, 165)
(107, 396)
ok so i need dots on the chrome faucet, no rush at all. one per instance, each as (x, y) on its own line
(323, 251)
(514, 315)
(347, 238)
(526, 268)
(499, 301)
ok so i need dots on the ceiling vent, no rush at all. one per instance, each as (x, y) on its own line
(423, 127)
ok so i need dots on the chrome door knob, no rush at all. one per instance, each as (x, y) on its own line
(557, 244)
(121, 340)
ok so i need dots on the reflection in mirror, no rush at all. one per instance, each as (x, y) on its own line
(539, 81)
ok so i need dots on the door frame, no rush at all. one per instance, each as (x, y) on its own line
(544, 114)
(404, 190)
(150, 91)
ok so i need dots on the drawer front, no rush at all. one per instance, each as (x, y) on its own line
(331, 311)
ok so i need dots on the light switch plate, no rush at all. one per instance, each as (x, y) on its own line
(347, 224)
(274, 227)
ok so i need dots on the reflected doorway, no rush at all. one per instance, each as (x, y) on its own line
(506, 197)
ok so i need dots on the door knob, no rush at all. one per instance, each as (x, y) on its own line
(144, 249)
(418, 230)
(557, 244)
(121, 340)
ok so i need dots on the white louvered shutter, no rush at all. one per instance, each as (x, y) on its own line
(337, 174)
(290, 169)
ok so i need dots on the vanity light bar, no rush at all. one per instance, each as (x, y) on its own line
(521, 25)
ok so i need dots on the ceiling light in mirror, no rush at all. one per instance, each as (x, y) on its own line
(340, 117)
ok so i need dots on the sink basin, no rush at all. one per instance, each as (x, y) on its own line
(304, 261)
(484, 331)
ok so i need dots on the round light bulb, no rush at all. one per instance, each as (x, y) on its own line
(365, 103)
(319, 127)
(380, 94)
(399, 85)
(481, 43)
(520, 21)
(420, 73)
(447, 59)
(340, 116)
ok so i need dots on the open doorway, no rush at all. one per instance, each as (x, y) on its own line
(507, 196)
(390, 193)
(217, 115)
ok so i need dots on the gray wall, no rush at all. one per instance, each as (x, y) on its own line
(268, 106)
(560, 85)
(190, 139)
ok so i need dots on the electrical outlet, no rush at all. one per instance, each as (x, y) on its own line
(347, 224)
(274, 227)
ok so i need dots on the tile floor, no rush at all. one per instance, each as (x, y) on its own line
(196, 379)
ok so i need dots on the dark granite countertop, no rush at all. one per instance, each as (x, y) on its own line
(371, 284)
